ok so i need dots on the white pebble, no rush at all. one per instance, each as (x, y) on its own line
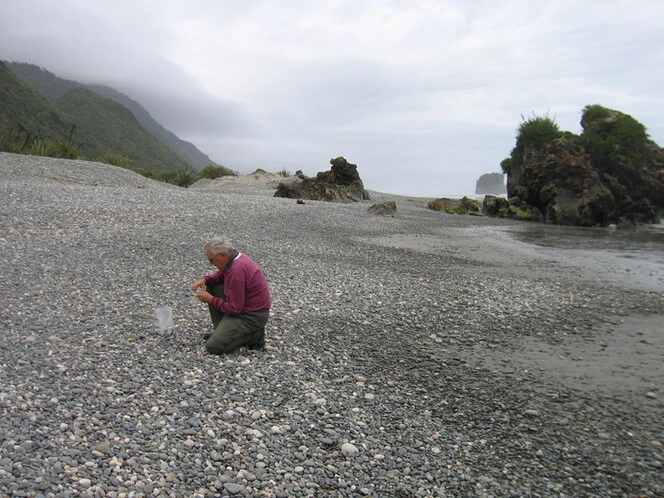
(349, 449)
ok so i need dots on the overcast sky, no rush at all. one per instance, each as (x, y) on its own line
(423, 95)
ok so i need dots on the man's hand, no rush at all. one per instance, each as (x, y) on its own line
(204, 296)
(198, 285)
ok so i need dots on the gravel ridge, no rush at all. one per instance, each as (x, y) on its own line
(389, 370)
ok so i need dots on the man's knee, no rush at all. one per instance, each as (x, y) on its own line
(220, 343)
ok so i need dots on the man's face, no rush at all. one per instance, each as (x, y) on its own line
(219, 260)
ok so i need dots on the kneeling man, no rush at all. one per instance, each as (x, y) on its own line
(238, 297)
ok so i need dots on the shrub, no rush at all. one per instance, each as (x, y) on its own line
(506, 165)
(9, 145)
(213, 171)
(25, 142)
(146, 173)
(117, 160)
(593, 113)
(613, 138)
(183, 178)
(52, 148)
(285, 173)
(532, 135)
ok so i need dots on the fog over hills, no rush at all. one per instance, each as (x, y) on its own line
(55, 88)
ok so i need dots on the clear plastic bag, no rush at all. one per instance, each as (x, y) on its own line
(165, 321)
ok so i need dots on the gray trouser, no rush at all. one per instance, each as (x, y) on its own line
(234, 331)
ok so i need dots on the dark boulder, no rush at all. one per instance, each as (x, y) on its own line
(341, 184)
(561, 183)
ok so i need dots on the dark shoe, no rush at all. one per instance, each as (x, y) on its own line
(207, 335)
(260, 345)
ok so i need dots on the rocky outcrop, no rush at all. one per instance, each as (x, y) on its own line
(387, 208)
(491, 183)
(341, 184)
(630, 164)
(561, 183)
(610, 174)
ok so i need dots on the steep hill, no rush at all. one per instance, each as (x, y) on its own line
(53, 88)
(104, 126)
(185, 150)
(24, 111)
(97, 126)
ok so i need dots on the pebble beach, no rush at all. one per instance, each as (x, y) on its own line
(420, 355)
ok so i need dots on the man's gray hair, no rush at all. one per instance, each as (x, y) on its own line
(219, 245)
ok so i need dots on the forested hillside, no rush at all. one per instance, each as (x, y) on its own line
(92, 127)
(24, 111)
(108, 127)
(54, 88)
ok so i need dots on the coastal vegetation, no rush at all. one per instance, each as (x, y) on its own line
(614, 141)
(533, 133)
(610, 137)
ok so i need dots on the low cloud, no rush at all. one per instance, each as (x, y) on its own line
(434, 90)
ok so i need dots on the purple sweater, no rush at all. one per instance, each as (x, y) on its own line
(245, 287)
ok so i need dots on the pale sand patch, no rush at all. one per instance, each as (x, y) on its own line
(263, 184)
(467, 243)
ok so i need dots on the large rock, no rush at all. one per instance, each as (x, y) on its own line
(630, 164)
(611, 173)
(491, 184)
(341, 184)
(561, 183)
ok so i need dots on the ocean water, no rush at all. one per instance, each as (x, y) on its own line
(631, 256)
(644, 241)
(459, 195)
